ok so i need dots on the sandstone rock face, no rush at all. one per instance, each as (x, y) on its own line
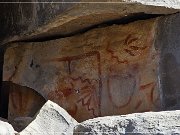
(27, 21)
(51, 119)
(6, 128)
(164, 123)
(106, 71)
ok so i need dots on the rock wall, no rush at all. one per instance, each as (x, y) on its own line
(106, 71)
(95, 70)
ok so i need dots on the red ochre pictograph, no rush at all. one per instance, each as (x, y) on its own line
(128, 49)
(72, 90)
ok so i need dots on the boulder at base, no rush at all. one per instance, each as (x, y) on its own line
(166, 123)
(51, 120)
(6, 128)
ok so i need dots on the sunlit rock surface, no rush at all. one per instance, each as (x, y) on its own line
(6, 128)
(164, 123)
(51, 120)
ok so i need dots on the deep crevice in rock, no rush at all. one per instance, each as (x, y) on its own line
(4, 94)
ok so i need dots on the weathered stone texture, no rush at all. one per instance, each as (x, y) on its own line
(156, 123)
(106, 71)
(168, 42)
(27, 21)
(51, 120)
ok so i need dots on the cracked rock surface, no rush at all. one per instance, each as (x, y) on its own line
(167, 122)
